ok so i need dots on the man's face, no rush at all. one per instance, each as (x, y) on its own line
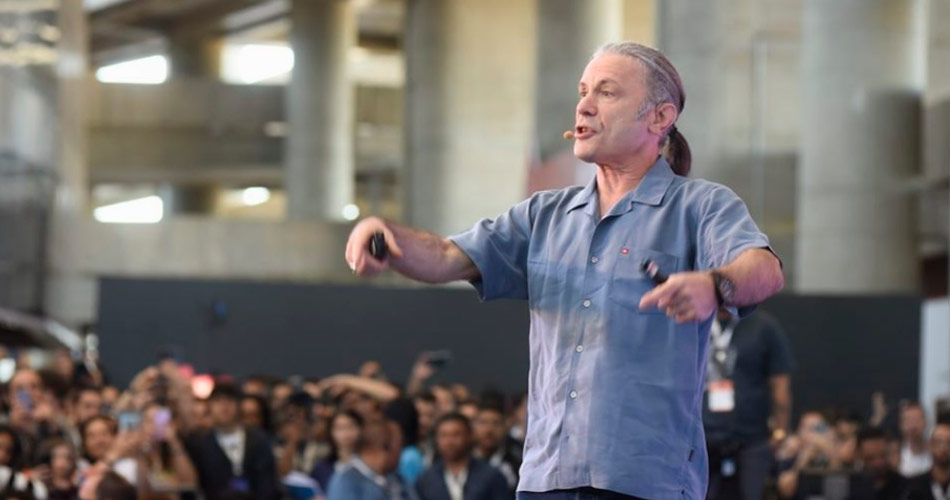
(224, 411)
(912, 423)
(453, 440)
(88, 405)
(98, 439)
(874, 456)
(254, 387)
(489, 429)
(611, 92)
(251, 414)
(940, 446)
(26, 388)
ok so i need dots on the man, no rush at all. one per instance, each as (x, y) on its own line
(877, 480)
(935, 483)
(231, 458)
(914, 455)
(34, 412)
(492, 443)
(747, 386)
(458, 476)
(371, 474)
(615, 386)
(87, 403)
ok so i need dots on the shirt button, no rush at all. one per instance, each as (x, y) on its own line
(586, 302)
(594, 259)
(580, 348)
(573, 394)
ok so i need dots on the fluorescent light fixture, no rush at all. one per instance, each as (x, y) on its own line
(149, 70)
(257, 63)
(351, 212)
(255, 196)
(139, 211)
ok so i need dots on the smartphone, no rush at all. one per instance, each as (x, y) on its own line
(161, 419)
(129, 420)
(25, 399)
(438, 359)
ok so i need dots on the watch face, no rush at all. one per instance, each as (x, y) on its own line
(727, 289)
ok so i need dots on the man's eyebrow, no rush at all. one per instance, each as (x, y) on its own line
(603, 82)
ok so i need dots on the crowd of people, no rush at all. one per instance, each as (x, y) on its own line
(66, 434)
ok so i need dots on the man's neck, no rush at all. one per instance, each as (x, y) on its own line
(228, 429)
(456, 467)
(615, 181)
(488, 452)
(917, 446)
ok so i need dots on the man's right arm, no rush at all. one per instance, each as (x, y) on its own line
(413, 253)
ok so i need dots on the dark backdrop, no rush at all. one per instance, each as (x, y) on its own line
(845, 347)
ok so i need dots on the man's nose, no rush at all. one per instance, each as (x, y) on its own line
(585, 107)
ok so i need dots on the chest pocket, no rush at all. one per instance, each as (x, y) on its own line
(629, 283)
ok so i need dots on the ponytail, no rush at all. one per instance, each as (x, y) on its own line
(678, 154)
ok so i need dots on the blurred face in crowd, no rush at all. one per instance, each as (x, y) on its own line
(150, 426)
(367, 407)
(371, 369)
(224, 411)
(444, 400)
(453, 440)
(469, 409)
(88, 405)
(110, 395)
(254, 387)
(279, 395)
(63, 364)
(489, 429)
(98, 438)
(426, 411)
(913, 423)
(345, 432)
(26, 387)
(7, 442)
(874, 456)
(252, 415)
(812, 424)
(201, 415)
(62, 461)
(394, 449)
(940, 446)
(611, 91)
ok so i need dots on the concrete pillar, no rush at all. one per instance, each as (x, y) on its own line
(862, 77)
(320, 176)
(70, 295)
(469, 109)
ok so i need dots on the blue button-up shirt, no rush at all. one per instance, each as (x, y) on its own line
(614, 392)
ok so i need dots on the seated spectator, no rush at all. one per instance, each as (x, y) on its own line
(804, 456)
(345, 429)
(914, 454)
(876, 479)
(13, 482)
(59, 469)
(935, 483)
(371, 474)
(298, 448)
(255, 413)
(456, 475)
(411, 461)
(34, 412)
(166, 462)
(231, 458)
(493, 444)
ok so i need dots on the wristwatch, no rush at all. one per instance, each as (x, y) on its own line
(724, 287)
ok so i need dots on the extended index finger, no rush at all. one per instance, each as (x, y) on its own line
(666, 291)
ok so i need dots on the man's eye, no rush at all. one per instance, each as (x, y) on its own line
(606, 93)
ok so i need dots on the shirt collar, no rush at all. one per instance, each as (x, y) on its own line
(650, 191)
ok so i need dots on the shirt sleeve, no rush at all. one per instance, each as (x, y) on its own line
(499, 249)
(725, 229)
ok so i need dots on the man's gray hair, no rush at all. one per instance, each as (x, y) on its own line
(663, 85)
(662, 79)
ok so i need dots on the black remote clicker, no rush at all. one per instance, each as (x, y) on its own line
(377, 246)
(653, 271)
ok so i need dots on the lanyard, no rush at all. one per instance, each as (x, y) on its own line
(721, 338)
(939, 493)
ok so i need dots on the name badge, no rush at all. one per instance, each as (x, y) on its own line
(722, 396)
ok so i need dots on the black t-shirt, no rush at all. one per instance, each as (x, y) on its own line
(757, 351)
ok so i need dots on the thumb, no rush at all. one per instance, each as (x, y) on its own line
(391, 243)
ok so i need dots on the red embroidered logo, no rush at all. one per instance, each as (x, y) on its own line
(624, 250)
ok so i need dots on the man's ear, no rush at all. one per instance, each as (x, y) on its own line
(663, 117)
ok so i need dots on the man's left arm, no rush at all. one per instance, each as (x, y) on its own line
(755, 275)
(735, 266)
(780, 387)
